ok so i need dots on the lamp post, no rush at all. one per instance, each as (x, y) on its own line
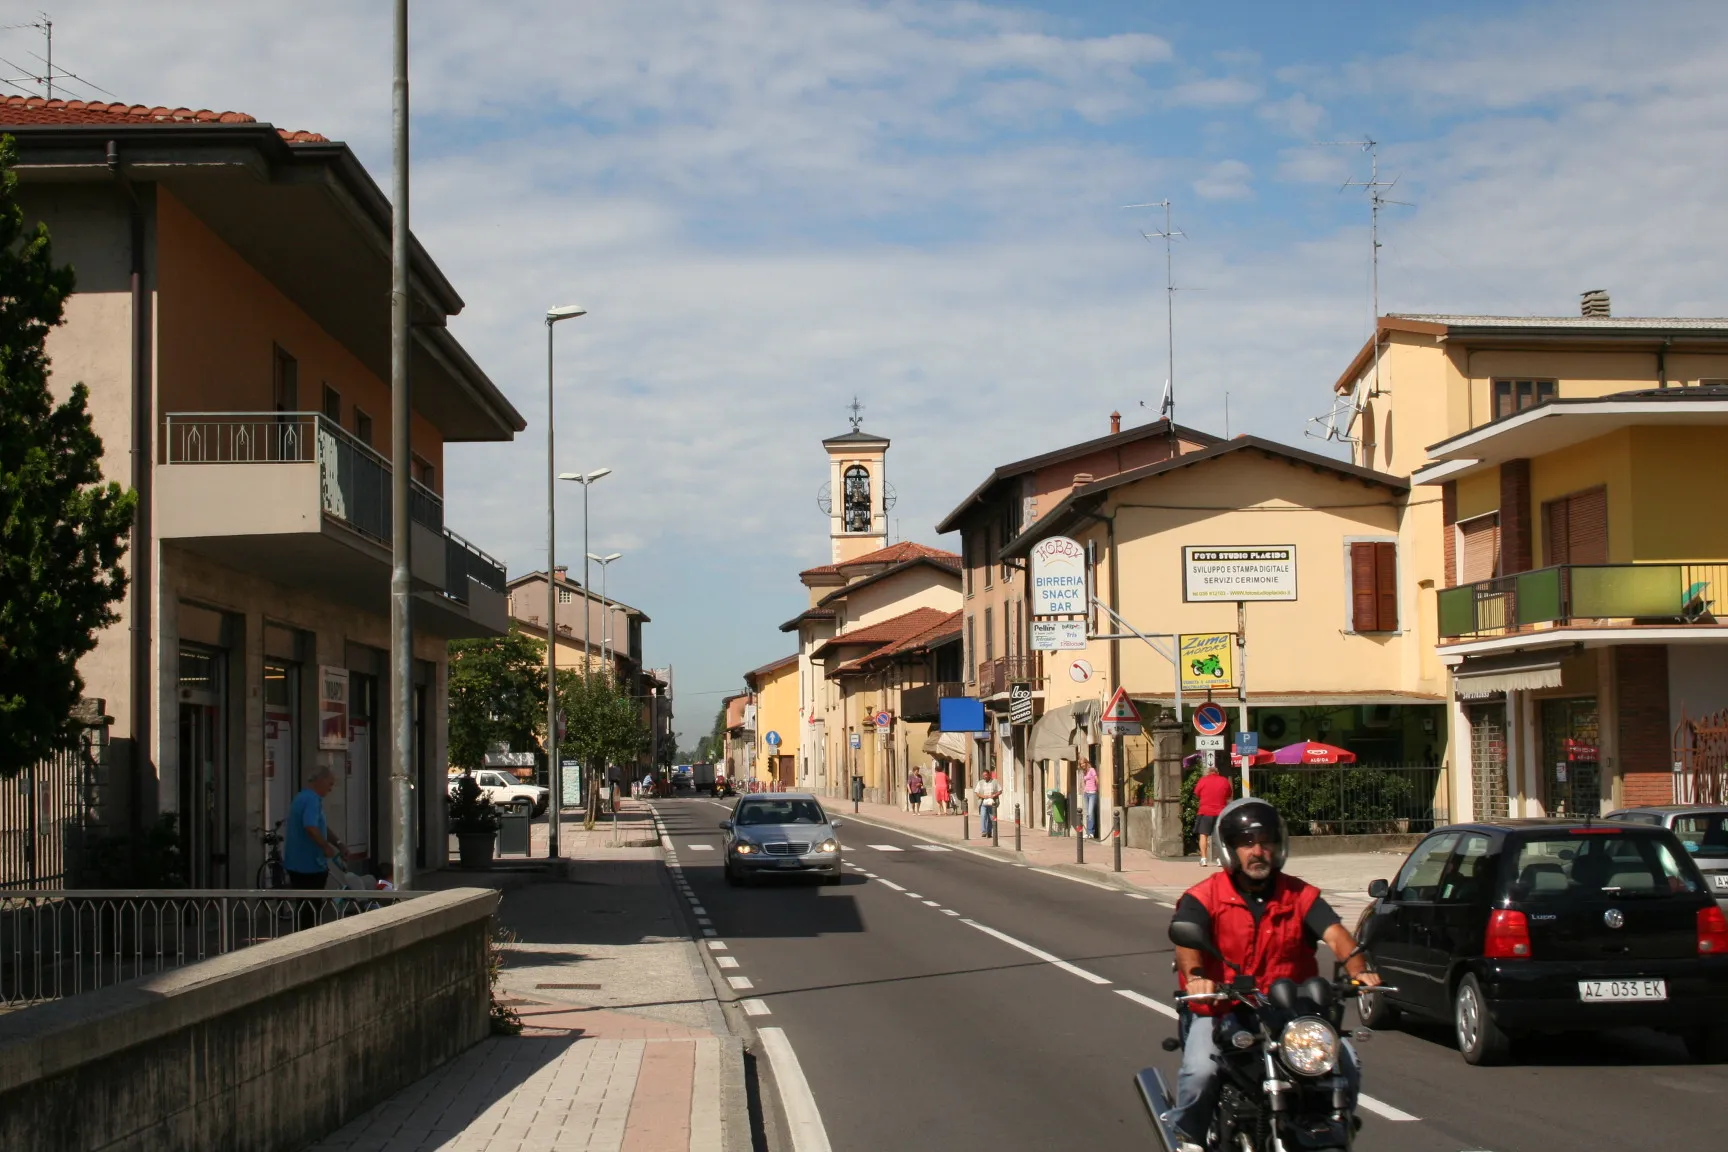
(553, 776)
(605, 563)
(586, 479)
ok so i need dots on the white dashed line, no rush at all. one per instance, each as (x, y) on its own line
(915, 895)
(726, 961)
(1136, 895)
(887, 848)
(949, 912)
(1384, 1110)
(1048, 958)
(932, 848)
(700, 847)
(708, 932)
(740, 982)
(889, 884)
(754, 1007)
(932, 903)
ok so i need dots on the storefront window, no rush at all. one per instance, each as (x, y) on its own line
(203, 727)
(1570, 755)
(1488, 760)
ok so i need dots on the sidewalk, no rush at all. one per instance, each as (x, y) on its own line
(1344, 878)
(623, 1047)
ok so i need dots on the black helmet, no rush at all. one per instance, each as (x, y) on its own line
(1237, 824)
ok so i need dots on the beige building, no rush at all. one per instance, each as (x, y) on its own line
(774, 690)
(232, 324)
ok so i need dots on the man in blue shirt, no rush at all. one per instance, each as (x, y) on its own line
(307, 844)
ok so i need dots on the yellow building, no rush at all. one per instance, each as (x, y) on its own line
(1563, 469)
(775, 689)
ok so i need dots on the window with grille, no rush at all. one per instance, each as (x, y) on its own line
(1512, 396)
(1373, 586)
(1575, 528)
(565, 595)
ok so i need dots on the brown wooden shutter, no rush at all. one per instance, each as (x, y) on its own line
(1386, 586)
(1556, 532)
(1587, 527)
(1481, 551)
(1364, 613)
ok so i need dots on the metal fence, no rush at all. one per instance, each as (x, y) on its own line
(58, 943)
(46, 809)
(1352, 799)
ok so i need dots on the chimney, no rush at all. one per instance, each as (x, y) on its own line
(1115, 422)
(1594, 304)
(1082, 478)
(561, 572)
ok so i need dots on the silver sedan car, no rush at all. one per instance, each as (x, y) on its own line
(1702, 828)
(781, 834)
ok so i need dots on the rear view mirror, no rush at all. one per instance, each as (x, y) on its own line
(1378, 889)
(726, 824)
(1187, 934)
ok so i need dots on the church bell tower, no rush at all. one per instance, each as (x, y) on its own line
(857, 496)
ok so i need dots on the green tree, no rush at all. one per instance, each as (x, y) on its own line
(62, 530)
(497, 696)
(603, 725)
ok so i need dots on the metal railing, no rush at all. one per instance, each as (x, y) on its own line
(1578, 593)
(57, 943)
(925, 701)
(462, 560)
(1354, 799)
(994, 676)
(46, 809)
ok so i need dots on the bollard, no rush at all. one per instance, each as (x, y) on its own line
(1080, 839)
(965, 824)
(1016, 827)
(996, 831)
(1116, 839)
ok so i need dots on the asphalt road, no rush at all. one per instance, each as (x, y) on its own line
(940, 1000)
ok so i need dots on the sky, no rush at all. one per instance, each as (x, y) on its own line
(772, 206)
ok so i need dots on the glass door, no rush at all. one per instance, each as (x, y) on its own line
(203, 764)
(1572, 774)
(281, 745)
(1488, 760)
(361, 781)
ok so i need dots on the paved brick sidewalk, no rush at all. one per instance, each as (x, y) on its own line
(623, 1047)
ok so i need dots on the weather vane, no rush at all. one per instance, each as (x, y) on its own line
(857, 411)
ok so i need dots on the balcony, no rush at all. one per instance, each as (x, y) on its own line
(294, 497)
(994, 676)
(923, 703)
(1583, 595)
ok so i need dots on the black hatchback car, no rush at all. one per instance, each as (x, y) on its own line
(1514, 926)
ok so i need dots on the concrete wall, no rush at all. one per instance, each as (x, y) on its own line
(919, 587)
(271, 1047)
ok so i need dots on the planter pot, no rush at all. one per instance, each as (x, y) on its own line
(475, 848)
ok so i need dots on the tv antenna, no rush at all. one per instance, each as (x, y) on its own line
(45, 82)
(1351, 408)
(1167, 408)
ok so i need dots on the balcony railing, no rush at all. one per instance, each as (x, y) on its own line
(994, 676)
(923, 703)
(354, 480)
(1573, 594)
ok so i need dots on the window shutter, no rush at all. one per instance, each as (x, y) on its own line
(1386, 586)
(1587, 528)
(1556, 532)
(1364, 605)
(1481, 550)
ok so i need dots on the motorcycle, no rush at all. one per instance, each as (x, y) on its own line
(1280, 1088)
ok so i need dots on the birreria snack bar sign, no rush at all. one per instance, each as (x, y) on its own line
(1058, 577)
(1267, 573)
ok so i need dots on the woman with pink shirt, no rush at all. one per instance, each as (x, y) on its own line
(1089, 791)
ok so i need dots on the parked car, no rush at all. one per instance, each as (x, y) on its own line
(781, 834)
(1510, 927)
(1702, 830)
(506, 791)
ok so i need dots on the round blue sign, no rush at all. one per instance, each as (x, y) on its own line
(1209, 720)
(773, 739)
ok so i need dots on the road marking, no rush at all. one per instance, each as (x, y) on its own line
(755, 1007)
(700, 847)
(915, 895)
(1157, 1006)
(887, 848)
(932, 848)
(1136, 895)
(705, 922)
(716, 945)
(949, 912)
(740, 982)
(932, 903)
(726, 961)
(1048, 958)
(698, 909)
(1383, 1110)
(803, 1119)
(708, 932)
(1076, 879)
(889, 884)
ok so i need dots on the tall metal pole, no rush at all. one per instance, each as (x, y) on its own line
(587, 769)
(401, 534)
(553, 775)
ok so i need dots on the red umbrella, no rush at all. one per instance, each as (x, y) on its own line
(1259, 757)
(1312, 752)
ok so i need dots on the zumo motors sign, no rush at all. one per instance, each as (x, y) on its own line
(1256, 573)
(1058, 577)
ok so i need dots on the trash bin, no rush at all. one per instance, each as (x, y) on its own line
(1058, 811)
(857, 789)
(514, 834)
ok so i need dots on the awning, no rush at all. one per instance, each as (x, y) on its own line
(948, 745)
(1479, 676)
(1063, 733)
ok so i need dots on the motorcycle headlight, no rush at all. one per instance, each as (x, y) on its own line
(828, 845)
(1309, 1045)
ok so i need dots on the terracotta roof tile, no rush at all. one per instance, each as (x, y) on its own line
(893, 554)
(37, 110)
(886, 635)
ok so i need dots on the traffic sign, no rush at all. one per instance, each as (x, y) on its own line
(1121, 718)
(884, 719)
(1080, 671)
(772, 739)
(1247, 743)
(1209, 743)
(856, 740)
(1209, 719)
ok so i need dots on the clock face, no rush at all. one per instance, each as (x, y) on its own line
(1080, 670)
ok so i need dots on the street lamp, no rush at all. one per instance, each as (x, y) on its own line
(605, 563)
(585, 479)
(554, 776)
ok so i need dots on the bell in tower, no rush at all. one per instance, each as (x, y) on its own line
(857, 496)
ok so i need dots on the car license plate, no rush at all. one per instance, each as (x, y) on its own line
(788, 863)
(1719, 881)
(1623, 989)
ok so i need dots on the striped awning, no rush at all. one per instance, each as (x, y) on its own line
(1479, 676)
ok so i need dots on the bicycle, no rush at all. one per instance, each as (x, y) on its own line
(272, 873)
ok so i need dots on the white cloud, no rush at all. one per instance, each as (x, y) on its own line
(1218, 92)
(1225, 180)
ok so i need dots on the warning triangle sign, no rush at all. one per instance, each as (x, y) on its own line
(1121, 710)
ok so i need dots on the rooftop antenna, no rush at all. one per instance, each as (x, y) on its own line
(1166, 409)
(1352, 408)
(44, 25)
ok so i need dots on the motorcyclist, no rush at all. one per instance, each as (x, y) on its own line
(1267, 924)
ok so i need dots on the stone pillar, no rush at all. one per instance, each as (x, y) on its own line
(1167, 776)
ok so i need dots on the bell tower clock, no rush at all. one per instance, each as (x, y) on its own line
(857, 496)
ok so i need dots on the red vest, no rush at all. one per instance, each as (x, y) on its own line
(1274, 949)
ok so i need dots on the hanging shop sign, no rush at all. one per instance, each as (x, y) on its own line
(1020, 702)
(1208, 661)
(1253, 573)
(1058, 635)
(332, 709)
(1058, 575)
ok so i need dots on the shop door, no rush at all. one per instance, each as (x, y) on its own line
(360, 783)
(281, 748)
(1488, 760)
(1569, 757)
(203, 763)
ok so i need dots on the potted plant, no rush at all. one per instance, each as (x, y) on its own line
(474, 821)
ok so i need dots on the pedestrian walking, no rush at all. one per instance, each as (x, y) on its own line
(1089, 795)
(307, 846)
(915, 789)
(944, 800)
(1212, 792)
(989, 792)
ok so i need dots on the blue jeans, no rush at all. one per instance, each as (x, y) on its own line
(1092, 814)
(986, 817)
(1197, 1079)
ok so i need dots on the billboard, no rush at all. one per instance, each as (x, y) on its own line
(1208, 660)
(1263, 572)
(1058, 577)
(1058, 635)
(960, 714)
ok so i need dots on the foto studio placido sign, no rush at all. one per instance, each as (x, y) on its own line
(1058, 574)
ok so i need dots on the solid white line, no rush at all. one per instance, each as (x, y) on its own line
(890, 884)
(726, 961)
(933, 847)
(803, 1119)
(1076, 879)
(1057, 961)
(1136, 895)
(740, 982)
(1383, 1110)
(1157, 1006)
(755, 1007)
